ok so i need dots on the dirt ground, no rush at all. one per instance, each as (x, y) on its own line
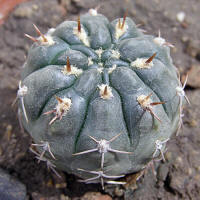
(179, 177)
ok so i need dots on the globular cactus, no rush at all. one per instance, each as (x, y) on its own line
(99, 99)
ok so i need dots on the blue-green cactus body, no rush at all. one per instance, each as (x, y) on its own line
(103, 55)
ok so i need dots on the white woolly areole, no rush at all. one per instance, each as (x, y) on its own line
(99, 52)
(145, 103)
(62, 108)
(119, 32)
(115, 54)
(180, 91)
(74, 71)
(160, 41)
(103, 146)
(100, 69)
(141, 63)
(50, 31)
(108, 95)
(22, 91)
(159, 144)
(110, 70)
(82, 36)
(49, 39)
(90, 61)
(93, 12)
(100, 64)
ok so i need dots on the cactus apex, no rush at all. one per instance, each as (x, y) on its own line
(105, 91)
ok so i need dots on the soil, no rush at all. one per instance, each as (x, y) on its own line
(179, 176)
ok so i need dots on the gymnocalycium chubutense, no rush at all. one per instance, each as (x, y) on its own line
(99, 99)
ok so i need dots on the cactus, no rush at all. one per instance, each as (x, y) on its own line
(99, 99)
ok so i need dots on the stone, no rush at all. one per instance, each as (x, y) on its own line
(193, 48)
(193, 76)
(162, 172)
(119, 192)
(177, 182)
(23, 11)
(10, 188)
(95, 196)
(180, 17)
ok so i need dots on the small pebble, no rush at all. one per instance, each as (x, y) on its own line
(194, 81)
(1, 151)
(10, 188)
(61, 185)
(35, 7)
(95, 196)
(119, 192)
(184, 39)
(162, 172)
(1, 16)
(180, 17)
(63, 197)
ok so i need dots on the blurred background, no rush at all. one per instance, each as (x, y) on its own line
(20, 174)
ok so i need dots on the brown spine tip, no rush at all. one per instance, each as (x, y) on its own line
(79, 24)
(124, 19)
(59, 99)
(119, 23)
(49, 112)
(147, 97)
(105, 92)
(68, 65)
(31, 38)
(156, 103)
(150, 59)
(40, 34)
